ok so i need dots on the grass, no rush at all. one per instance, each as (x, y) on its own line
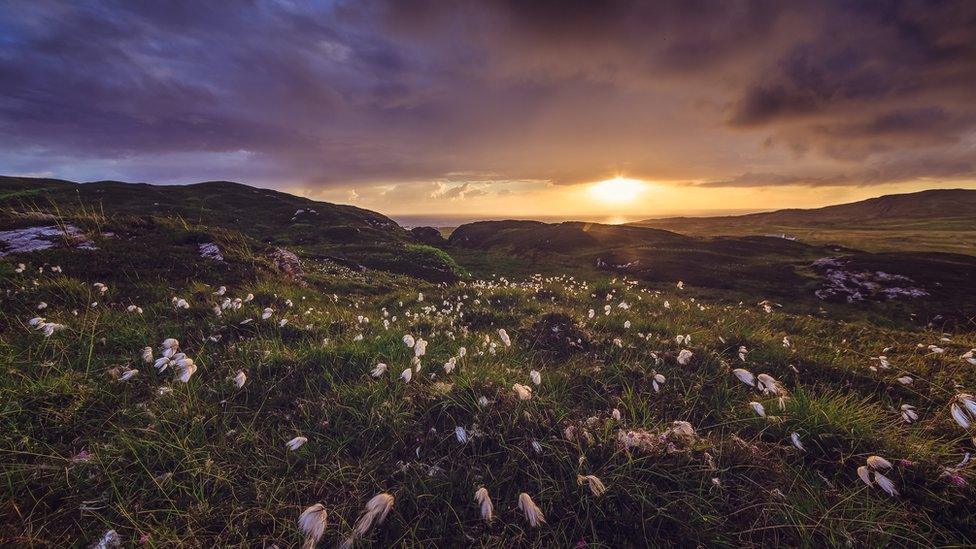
(951, 235)
(204, 463)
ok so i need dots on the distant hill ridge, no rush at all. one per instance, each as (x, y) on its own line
(934, 203)
(259, 212)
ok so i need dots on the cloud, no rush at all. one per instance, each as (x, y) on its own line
(878, 78)
(876, 174)
(385, 96)
(777, 180)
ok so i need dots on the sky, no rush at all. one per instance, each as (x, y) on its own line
(499, 108)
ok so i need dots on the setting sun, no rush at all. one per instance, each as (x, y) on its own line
(618, 190)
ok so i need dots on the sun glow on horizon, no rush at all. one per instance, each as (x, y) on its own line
(619, 190)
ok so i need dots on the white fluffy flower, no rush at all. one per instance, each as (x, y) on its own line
(684, 357)
(536, 377)
(878, 463)
(185, 368)
(484, 501)
(596, 485)
(768, 385)
(240, 379)
(758, 408)
(532, 512)
(745, 376)
(376, 510)
(886, 484)
(312, 523)
(864, 474)
(161, 364)
(963, 410)
(909, 413)
(870, 474)
(657, 381)
(523, 392)
(795, 438)
(420, 348)
(295, 443)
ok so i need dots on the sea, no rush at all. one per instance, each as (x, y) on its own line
(447, 220)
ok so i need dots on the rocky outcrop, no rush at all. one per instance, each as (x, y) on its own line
(844, 284)
(30, 239)
(287, 262)
(429, 235)
(210, 250)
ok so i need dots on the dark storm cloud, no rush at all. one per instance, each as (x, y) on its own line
(878, 77)
(777, 180)
(888, 172)
(566, 91)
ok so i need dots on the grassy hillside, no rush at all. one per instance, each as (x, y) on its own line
(318, 231)
(746, 267)
(614, 400)
(934, 220)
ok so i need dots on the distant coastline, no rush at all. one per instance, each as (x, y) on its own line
(448, 220)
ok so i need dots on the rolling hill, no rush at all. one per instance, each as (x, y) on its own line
(318, 231)
(749, 266)
(128, 227)
(938, 220)
(172, 378)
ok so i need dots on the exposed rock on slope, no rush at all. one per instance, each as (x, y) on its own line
(42, 238)
(847, 285)
(287, 262)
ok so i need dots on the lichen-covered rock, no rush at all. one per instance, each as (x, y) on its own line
(210, 250)
(842, 284)
(17, 241)
(287, 262)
